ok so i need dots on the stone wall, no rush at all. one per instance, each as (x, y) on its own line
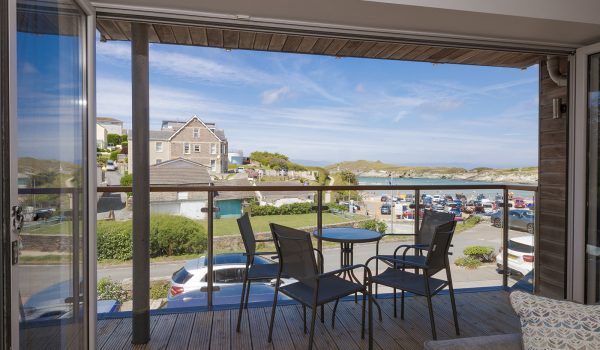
(46, 243)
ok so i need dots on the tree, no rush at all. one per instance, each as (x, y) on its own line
(348, 177)
(114, 139)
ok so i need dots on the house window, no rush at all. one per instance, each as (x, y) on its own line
(213, 148)
(196, 133)
(182, 195)
(158, 161)
(197, 148)
(159, 147)
(186, 148)
(213, 165)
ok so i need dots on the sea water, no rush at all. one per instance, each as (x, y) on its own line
(470, 194)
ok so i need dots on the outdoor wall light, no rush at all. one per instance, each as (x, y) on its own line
(558, 108)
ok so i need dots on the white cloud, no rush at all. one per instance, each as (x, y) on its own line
(272, 96)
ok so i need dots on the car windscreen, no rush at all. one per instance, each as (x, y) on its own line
(520, 247)
(181, 276)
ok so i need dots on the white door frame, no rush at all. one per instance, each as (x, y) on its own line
(578, 173)
(89, 263)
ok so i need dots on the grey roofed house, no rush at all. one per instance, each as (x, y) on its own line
(272, 196)
(226, 195)
(161, 135)
(179, 171)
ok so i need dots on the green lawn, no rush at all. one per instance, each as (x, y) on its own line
(223, 227)
(57, 228)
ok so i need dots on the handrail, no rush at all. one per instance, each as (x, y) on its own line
(213, 191)
(300, 188)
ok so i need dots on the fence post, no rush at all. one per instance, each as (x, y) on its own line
(505, 227)
(320, 219)
(417, 215)
(209, 248)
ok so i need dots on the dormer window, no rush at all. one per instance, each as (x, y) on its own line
(196, 133)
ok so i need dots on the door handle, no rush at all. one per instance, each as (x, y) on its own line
(17, 218)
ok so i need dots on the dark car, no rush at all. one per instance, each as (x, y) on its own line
(224, 295)
(386, 209)
(517, 219)
(43, 214)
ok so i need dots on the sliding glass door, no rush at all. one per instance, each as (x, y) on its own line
(588, 85)
(51, 154)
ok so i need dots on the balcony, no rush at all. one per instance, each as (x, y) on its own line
(480, 313)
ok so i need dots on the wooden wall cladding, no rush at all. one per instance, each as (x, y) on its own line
(552, 198)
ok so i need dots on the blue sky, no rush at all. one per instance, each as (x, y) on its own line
(324, 110)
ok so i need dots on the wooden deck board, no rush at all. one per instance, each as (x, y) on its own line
(481, 313)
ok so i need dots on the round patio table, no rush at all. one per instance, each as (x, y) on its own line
(347, 237)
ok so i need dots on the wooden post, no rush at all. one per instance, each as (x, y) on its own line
(140, 94)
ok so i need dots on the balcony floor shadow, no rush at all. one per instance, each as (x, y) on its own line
(480, 313)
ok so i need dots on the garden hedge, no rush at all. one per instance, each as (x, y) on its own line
(169, 235)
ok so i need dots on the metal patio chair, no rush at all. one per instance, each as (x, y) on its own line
(252, 272)
(431, 220)
(314, 288)
(422, 284)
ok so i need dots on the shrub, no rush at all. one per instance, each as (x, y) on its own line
(467, 262)
(127, 180)
(114, 155)
(336, 206)
(373, 225)
(113, 240)
(483, 254)
(111, 290)
(286, 209)
(175, 235)
(159, 289)
(169, 235)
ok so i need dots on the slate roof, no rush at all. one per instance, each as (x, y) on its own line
(108, 120)
(179, 171)
(160, 135)
(275, 195)
(225, 195)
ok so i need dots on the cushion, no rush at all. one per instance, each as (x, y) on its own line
(489, 342)
(556, 324)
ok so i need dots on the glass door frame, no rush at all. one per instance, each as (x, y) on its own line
(9, 160)
(580, 192)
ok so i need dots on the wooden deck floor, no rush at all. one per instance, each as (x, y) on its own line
(481, 313)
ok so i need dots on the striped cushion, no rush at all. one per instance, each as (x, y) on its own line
(556, 324)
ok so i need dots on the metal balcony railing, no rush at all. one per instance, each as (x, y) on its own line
(213, 191)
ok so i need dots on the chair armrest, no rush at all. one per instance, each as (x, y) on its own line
(397, 261)
(422, 247)
(347, 268)
(264, 240)
(321, 259)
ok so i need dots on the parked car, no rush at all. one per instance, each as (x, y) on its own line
(228, 270)
(347, 205)
(520, 203)
(438, 207)
(518, 219)
(54, 303)
(111, 165)
(43, 214)
(488, 208)
(436, 198)
(457, 213)
(386, 209)
(520, 255)
(224, 295)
